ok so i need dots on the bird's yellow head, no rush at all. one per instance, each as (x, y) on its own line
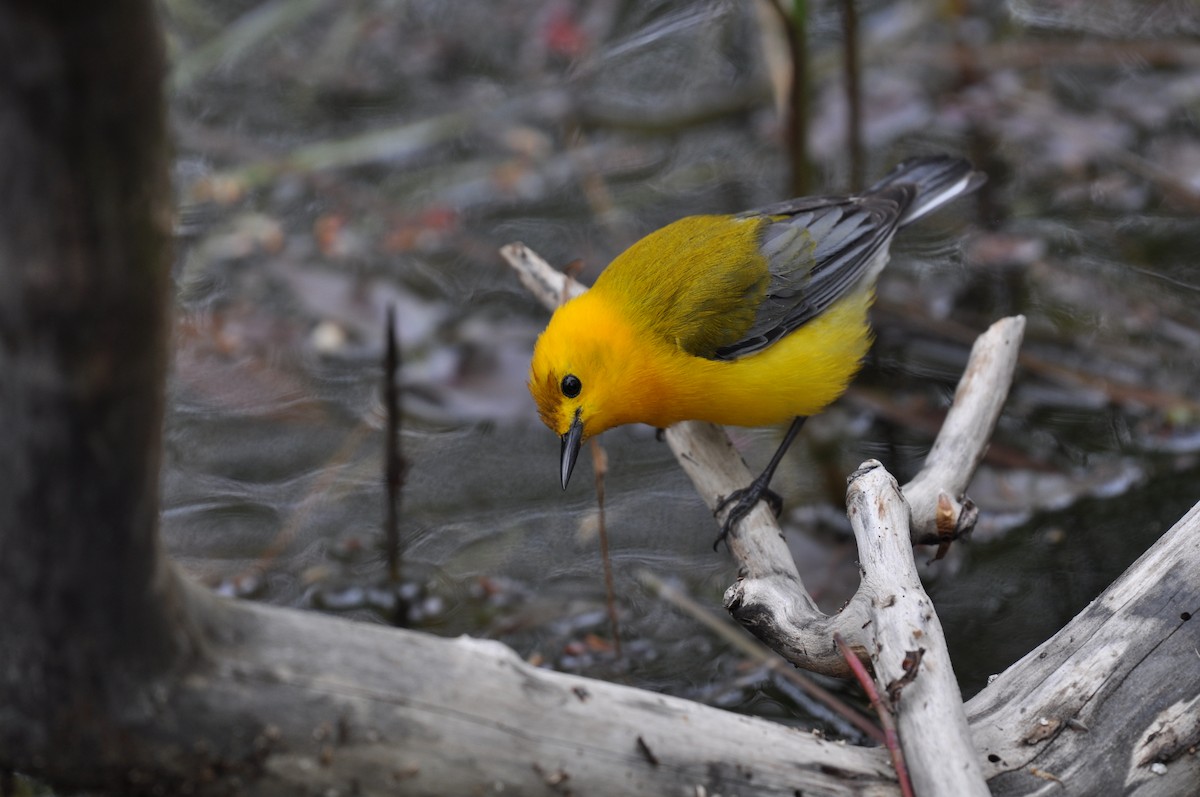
(581, 374)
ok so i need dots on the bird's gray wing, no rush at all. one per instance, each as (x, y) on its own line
(817, 249)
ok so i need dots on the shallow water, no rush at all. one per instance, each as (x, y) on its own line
(337, 158)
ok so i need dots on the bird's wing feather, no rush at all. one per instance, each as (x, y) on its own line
(724, 291)
(816, 250)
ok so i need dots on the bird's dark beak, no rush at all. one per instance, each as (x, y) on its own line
(571, 443)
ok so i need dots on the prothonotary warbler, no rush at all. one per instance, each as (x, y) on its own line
(748, 320)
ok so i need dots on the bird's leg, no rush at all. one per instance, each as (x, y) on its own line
(744, 499)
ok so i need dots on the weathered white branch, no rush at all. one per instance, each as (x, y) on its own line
(936, 494)
(905, 641)
(1111, 703)
(547, 284)
(362, 709)
(767, 604)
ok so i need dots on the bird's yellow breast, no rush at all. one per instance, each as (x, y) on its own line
(798, 375)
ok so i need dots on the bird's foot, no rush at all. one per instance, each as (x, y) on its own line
(743, 501)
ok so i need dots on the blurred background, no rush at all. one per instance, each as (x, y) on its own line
(335, 157)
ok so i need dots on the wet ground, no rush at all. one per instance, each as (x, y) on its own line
(335, 158)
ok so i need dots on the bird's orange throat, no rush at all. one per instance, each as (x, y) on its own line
(588, 338)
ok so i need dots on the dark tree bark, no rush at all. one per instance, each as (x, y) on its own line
(84, 269)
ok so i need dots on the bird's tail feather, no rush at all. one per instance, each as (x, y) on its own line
(937, 179)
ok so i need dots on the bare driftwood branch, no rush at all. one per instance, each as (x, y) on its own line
(365, 709)
(905, 642)
(890, 619)
(282, 702)
(936, 495)
(1111, 703)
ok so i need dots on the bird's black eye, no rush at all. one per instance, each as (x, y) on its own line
(571, 386)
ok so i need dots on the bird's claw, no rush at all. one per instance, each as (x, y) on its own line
(743, 501)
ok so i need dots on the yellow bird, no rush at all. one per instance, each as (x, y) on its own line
(746, 320)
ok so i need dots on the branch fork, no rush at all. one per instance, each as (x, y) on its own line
(890, 616)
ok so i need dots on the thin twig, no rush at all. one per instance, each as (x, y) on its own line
(798, 132)
(393, 460)
(759, 652)
(853, 93)
(795, 24)
(555, 289)
(891, 737)
(600, 468)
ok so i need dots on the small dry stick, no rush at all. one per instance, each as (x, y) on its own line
(393, 461)
(1044, 775)
(853, 93)
(759, 652)
(572, 270)
(795, 24)
(600, 468)
(891, 737)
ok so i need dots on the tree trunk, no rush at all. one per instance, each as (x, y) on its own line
(91, 610)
